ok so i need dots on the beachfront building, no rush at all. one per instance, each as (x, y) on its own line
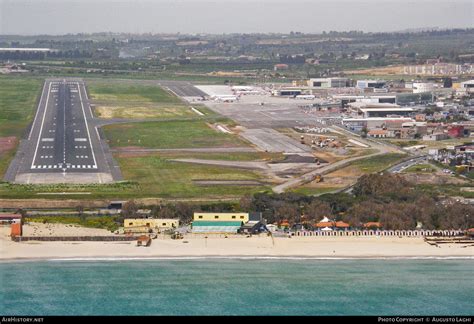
(9, 218)
(330, 225)
(221, 217)
(228, 223)
(146, 224)
(373, 225)
(229, 227)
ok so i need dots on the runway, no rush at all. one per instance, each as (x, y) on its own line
(63, 145)
(182, 89)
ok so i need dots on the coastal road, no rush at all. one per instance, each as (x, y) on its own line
(406, 164)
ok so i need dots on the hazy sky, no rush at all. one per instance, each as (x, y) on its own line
(30, 17)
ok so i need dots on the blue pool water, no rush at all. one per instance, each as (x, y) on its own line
(238, 287)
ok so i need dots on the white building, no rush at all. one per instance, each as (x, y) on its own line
(420, 87)
(376, 84)
(467, 86)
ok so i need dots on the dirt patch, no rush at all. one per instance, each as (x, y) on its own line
(378, 71)
(52, 203)
(340, 178)
(7, 144)
(296, 158)
(127, 148)
(437, 178)
(227, 183)
(134, 154)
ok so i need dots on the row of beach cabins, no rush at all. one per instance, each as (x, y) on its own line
(402, 233)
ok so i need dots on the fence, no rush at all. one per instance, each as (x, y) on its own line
(74, 238)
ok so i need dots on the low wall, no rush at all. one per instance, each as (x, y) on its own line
(74, 238)
(399, 233)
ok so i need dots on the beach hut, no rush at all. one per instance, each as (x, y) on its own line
(324, 223)
(342, 225)
(143, 240)
(373, 225)
(470, 232)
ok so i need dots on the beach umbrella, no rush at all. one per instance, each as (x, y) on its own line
(326, 229)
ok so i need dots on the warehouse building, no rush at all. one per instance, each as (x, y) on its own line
(325, 83)
(375, 84)
(357, 124)
(375, 99)
(287, 92)
(385, 112)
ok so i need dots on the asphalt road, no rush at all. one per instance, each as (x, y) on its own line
(182, 88)
(64, 138)
(406, 164)
(63, 144)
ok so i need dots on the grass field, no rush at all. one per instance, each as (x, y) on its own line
(148, 176)
(129, 93)
(141, 112)
(235, 156)
(377, 163)
(139, 100)
(165, 178)
(108, 223)
(169, 134)
(311, 191)
(18, 98)
(421, 168)
(430, 144)
(17, 104)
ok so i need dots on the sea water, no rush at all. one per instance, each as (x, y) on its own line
(237, 287)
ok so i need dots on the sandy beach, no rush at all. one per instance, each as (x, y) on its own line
(219, 246)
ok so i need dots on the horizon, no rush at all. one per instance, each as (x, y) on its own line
(27, 18)
(328, 32)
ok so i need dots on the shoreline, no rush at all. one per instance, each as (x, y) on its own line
(232, 257)
(196, 247)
